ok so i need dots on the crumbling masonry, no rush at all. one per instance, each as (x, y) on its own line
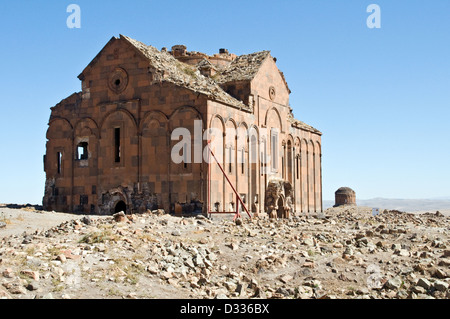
(109, 146)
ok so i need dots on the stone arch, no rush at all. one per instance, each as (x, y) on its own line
(273, 119)
(217, 180)
(318, 176)
(86, 132)
(118, 148)
(59, 149)
(155, 154)
(304, 175)
(158, 115)
(280, 206)
(243, 163)
(116, 112)
(254, 160)
(183, 118)
(120, 206)
(64, 130)
(296, 174)
(86, 122)
(297, 142)
(112, 198)
(311, 176)
(220, 118)
(242, 136)
(230, 132)
(182, 109)
(231, 162)
(182, 187)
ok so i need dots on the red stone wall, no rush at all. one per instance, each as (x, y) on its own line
(118, 93)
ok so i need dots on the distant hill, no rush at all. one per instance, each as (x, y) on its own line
(407, 205)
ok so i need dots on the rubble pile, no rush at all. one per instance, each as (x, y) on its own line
(343, 252)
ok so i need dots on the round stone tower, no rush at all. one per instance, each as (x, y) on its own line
(345, 196)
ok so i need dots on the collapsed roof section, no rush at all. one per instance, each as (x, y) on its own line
(207, 75)
(243, 68)
(167, 68)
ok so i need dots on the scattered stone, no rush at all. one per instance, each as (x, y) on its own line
(309, 264)
(441, 274)
(277, 252)
(347, 252)
(86, 220)
(393, 283)
(33, 285)
(31, 274)
(45, 296)
(424, 283)
(61, 257)
(17, 290)
(241, 289)
(343, 277)
(440, 285)
(286, 278)
(4, 294)
(418, 290)
(2, 225)
(27, 240)
(8, 273)
(308, 242)
(283, 291)
(120, 217)
(176, 232)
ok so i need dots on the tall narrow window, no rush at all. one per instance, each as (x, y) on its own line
(59, 162)
(253, 153)
(298, 166)
(117, 144)
(263, 157)
(242, 162)
(230, 168)
(274, 149)
(185, 155)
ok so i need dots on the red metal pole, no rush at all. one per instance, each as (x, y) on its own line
(209, 183)
(238, 198)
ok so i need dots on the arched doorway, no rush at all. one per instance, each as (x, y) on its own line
(120, 207)
(280, 210)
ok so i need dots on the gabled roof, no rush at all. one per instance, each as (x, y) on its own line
(243, 68)
(95, 59)
(167, 68)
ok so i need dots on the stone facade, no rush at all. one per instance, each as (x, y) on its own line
(109, 146)
(345, 196)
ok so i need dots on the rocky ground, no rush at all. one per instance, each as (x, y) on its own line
(341, 253)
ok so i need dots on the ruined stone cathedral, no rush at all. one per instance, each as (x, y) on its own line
(109, 146)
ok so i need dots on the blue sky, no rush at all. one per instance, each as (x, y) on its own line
(381, 97)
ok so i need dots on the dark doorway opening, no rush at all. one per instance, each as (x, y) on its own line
(120, 207)
(280, 210)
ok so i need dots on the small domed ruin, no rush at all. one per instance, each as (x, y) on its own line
(345, 196)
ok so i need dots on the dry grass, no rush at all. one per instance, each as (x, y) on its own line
(103, 236)
(4, 219)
